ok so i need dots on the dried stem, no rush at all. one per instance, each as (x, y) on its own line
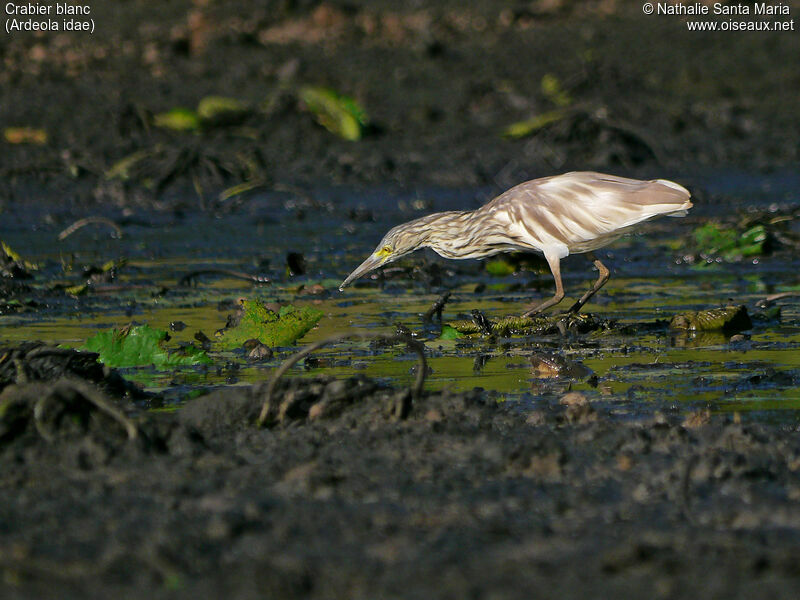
(93, 396)
(89, 221)
(765, 302)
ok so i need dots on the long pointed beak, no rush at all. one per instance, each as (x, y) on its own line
(373, 262)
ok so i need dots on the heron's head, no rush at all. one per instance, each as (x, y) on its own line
(400, 240)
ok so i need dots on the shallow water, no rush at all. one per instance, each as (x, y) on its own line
(335, 229)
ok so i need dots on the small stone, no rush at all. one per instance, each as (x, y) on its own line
(313, 290)
(536, 418)
(573, 399)
(256, 350)
(624, 462)
(317, 410)
(433, 416)
(697, 419)
(580, 414)
(338, 389)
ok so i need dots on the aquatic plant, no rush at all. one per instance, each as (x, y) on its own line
(256, 321)
(142, 345)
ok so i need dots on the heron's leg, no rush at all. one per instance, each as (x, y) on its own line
(555, 267)
(603, 276)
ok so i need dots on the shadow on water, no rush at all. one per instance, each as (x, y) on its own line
(643, 370)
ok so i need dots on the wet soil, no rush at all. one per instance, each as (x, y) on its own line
(358, 492)
(653, 465)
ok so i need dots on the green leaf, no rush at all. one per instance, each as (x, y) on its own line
(221, 110)
(553, 91)
(270, 328)
(141, 345)
(450, 333)
(178, 119)
(530, 126)
(337, 113)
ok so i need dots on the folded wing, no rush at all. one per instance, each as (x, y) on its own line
(582, 211)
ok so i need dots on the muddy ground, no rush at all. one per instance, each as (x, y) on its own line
(355, 489)
(439, 81)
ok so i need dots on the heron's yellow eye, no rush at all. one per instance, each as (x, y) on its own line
(385, 251)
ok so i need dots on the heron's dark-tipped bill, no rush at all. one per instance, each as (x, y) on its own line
(373, 262)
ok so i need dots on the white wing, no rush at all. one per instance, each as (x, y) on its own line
(582, 211)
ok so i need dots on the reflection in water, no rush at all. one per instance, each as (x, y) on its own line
(698, 339)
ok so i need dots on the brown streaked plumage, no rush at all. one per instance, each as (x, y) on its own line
(566, 214)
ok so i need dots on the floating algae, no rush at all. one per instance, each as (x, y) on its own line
(140, 345)
(256, 321)
(537, 325)
(729, 318)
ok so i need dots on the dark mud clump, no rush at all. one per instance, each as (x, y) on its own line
(37, 362)
(344, 495)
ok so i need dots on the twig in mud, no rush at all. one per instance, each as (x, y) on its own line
(765, 302)
(416, 346)
(90, 394)
(45, 350)
(187, 279)
(89, 221)
(22, 376)
(436, 309)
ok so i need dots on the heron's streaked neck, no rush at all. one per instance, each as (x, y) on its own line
(453, 234)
